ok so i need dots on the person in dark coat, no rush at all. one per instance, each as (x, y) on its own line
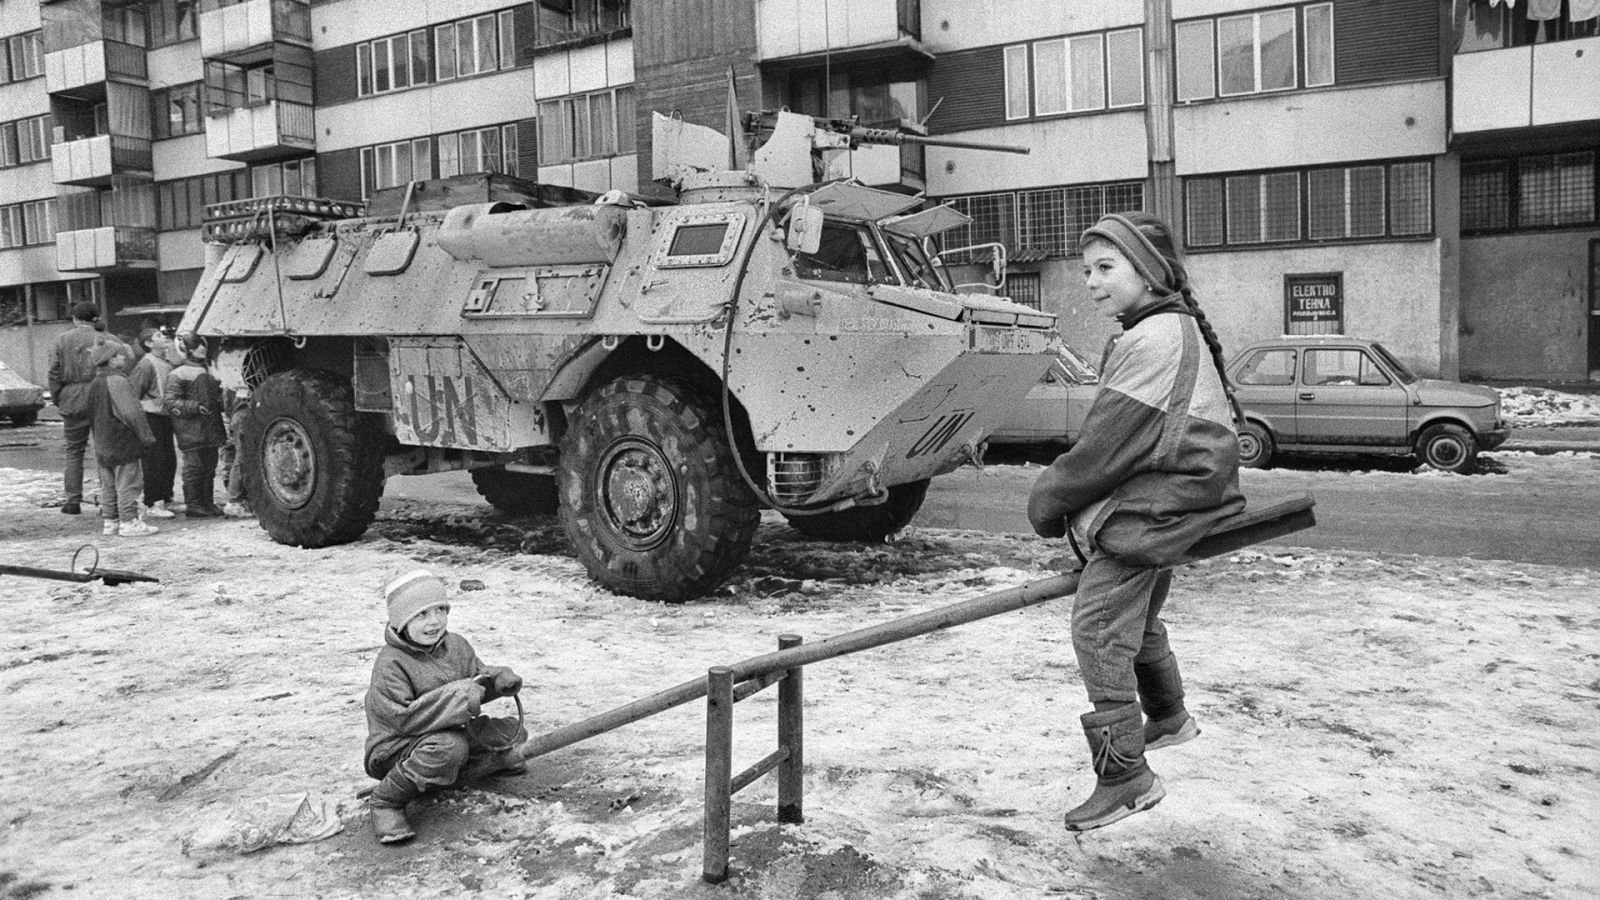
(121, 435)
(71, 370)
(427, 687)
(1158, 466)
(149, 380)
(193, 400)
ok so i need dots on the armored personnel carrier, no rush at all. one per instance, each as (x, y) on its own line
(656, 374)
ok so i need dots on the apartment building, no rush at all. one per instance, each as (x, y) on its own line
(1419, 171)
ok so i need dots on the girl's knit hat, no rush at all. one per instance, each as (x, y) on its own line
(1146, 259)
(410, 592)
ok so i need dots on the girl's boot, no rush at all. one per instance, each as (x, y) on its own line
(388, 807)
(1124, 784)
(1161, 694)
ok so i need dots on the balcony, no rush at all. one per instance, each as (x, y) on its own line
(107, 248)
(244, 32)
(799, 33)
(266, 130)
(1549, 84)
(92, 161)
(85, 67)
(107, 229)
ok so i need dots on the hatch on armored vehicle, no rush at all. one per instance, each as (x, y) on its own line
(656, 375)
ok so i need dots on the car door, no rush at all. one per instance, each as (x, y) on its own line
(1264, 382)
(1043, 413)
(1346, 397)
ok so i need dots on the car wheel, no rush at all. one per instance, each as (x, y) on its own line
(1255, 446)
(1449, 448)
(866, 524)
(650, 494)
(313, 467)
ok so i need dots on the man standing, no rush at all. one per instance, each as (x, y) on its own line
(71, 371)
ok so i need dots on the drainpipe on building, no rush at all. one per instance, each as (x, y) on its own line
(1163, 199)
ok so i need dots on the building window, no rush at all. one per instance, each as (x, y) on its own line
(39, 221)
(1238, 55)
(25, 141)
(176, 111)
(24, 57)
(587, 126)
(23, 224)
(1041, 223)
(1256, 52)
(492, 149)
(560, 21)
(1076, 73)
(1319, 45)
(1534, 191)
(181, 203)
(1016, 68)
(1024, 288)
(1340, 203)
(294, 178)
(171, 21)
(388, 165)
(392, 63)
(471, 46)
(1050, 220)
(11, 234)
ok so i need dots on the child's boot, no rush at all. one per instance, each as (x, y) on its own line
(1161, 694)
(1124, 784)
(388, 807)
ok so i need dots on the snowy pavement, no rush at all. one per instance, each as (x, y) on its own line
(1374, 725)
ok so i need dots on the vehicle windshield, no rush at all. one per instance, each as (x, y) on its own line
(914, 261)
(1081, 370)
(1404, 374)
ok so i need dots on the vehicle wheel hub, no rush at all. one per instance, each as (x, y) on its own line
(288, 463)
(639, 493)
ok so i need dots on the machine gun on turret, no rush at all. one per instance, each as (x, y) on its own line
(779, 148)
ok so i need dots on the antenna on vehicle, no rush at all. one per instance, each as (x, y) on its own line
(923, 122)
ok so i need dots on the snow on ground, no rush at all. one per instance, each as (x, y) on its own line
(1528, 406)
(1374, 725)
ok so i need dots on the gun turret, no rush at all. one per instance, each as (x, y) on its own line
(787, 148)
(861, 134)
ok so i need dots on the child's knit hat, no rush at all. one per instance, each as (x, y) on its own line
(410, 592)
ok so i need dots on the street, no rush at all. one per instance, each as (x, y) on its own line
(1527, 508)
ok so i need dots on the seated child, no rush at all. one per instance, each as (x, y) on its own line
(427, 685)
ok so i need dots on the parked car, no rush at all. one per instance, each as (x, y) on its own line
(20, 399)
(1054, 409)
(1324, 393)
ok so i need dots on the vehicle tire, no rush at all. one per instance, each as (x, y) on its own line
(651, 497)
(516, 493)
(1449, 448)
(24, 419)
(866, 524)
(312, 468)
(1255, 446)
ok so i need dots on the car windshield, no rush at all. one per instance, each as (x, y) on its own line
(1404, 374)
(915, 263)
(1081, 370)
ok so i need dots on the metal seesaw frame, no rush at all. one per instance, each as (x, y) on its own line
(724, 686)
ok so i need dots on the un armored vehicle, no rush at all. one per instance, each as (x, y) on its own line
(657, 374)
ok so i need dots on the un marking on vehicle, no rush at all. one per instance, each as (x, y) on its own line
(944, 428)
(440, 409)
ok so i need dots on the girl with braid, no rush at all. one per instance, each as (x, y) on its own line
(1157, 466)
